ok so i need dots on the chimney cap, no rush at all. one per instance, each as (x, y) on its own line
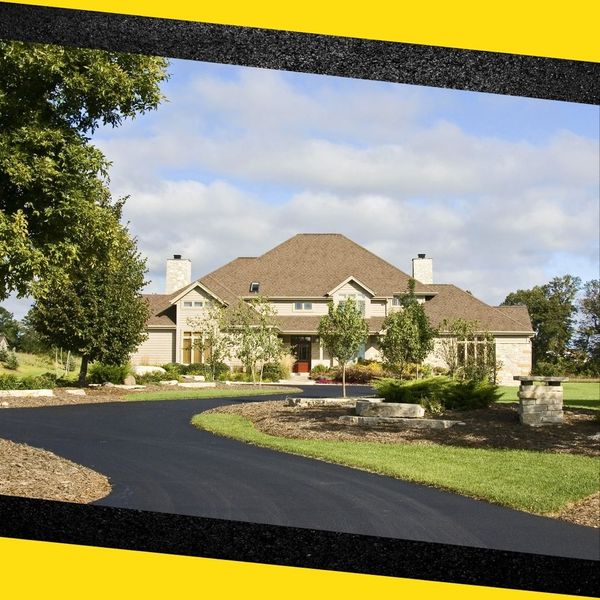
(422, 255)
(177, 256)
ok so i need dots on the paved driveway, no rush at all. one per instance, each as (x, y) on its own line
(157, 461)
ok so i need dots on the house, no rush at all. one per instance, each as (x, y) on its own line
(300, 277)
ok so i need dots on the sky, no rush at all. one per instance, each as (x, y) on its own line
(502, 192)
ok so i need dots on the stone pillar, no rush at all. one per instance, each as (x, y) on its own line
(540, 404)
(179, 273)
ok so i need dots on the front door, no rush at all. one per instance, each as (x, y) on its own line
(301, 350)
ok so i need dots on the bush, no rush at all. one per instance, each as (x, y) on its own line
(174, 369)
(471, 395)
(273, 372)
(11, 362)
(152, 377)
(417, 371)
(412, 392)
(319, 371)
(433, 406)
(101, 373)
(3, 355)
(39, 382)
(360, 373)
(449, 393)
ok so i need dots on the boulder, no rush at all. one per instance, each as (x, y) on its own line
(370, 408)
(129, 380)
(144, 369)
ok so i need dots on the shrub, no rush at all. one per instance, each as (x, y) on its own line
(11, 362)
(3, 355)
(319, 371)
(286, 363)
(174, 368)
(12, 382)
(101, 373)
(470, 395)
(152, 377)
(449, 393)
(272, 372)
(360, 373)
(417, 371)
(433, 406)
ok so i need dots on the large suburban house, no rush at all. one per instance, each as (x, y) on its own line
(300, 278)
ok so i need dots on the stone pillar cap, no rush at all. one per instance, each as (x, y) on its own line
(538, 378)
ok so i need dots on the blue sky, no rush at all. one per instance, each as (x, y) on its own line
(501, 191)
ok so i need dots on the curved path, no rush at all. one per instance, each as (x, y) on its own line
(157, 461)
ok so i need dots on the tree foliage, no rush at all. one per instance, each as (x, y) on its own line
(95, 309)
(552, 308)
(254, 331)
(9, 327)
(216, 343)
(343, 330)
(588, 329)
(407, 334)
(51, 99)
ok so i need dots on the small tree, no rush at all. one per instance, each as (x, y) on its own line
(215, 342)
(407, 334)
(469, 354)
(342, 331)
(96, 310)
(254, 330)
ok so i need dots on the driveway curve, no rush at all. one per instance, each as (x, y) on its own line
(157, 461)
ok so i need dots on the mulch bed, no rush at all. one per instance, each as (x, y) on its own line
(497, 427)
(36, 473)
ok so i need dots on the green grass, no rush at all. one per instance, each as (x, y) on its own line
(576, 395)
(538, 482)
(193, 394)
(34, 365)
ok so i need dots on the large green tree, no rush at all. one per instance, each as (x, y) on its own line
(52, 98)
(588, 329)
(95, 309)
(9, 327)
(552, 308)
(407, 334)
(343, 330)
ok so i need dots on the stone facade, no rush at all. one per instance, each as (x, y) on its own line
(179, 274)
(540, 404)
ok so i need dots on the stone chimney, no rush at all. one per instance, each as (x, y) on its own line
(179, 273)
(422, 269)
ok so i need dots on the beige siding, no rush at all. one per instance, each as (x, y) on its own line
(378, 308)
(286, 308)
(184, 313)
(158, 349)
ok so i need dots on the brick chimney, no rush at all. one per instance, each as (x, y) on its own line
(179, 273)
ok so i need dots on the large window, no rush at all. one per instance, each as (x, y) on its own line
(193, 350)
(302, 305)
(359, 299)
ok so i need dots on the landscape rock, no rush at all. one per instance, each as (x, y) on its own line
(199, 384)
(368, 408)
(169, 382)
(25, 393)
(75, 392)
(399, 422)
(145, 369)
(129, 380)
(308, 402)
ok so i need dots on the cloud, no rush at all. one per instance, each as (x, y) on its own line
(234, 165)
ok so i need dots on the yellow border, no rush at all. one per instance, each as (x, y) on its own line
(534, 27)
(47, 570)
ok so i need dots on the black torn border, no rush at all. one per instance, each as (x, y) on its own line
(493, 72)
(509, 74)
(127, 529)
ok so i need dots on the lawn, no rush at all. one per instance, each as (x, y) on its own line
(576, 394)
(34, 365)
(537, 482)
(194, 394)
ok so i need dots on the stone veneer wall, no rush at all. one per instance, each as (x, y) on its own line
(515, 355)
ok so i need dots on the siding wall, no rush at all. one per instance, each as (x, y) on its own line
(158, 349)
(286, 308)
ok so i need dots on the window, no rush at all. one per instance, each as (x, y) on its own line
(254, 287)
(303, 306)
(359, 300)
(396, 301)
(187, 304)
(198, 304)
(193, 350)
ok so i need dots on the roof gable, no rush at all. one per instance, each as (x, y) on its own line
(348, 280)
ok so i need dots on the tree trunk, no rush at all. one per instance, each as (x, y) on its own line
(83, 371)
(344, 380)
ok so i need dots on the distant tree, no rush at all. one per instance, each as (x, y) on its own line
(51, 99)
(9, 327)
(254, 330)
(343, 330)
(407, 334)
(552, 308)
(215, 343)
(96, 310)
(30, 341)
(587, 340)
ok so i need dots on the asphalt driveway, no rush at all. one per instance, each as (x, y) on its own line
(157, 461)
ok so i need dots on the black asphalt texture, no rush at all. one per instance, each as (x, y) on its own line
(156, 460)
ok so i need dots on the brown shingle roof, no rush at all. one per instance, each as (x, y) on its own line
(452, 303)
(299, 324)
(163, 313)
(312, 264)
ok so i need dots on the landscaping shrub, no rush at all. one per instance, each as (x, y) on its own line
(417, 371)
(152, 377)
(412, 392)
(101, 373)
(273, 372)
(174, 368)
(360, 373)
(3, 355)
(470, 395)
(319, 371)
(449, 393)
(11, 362)
(433, 406)
(39, 382)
